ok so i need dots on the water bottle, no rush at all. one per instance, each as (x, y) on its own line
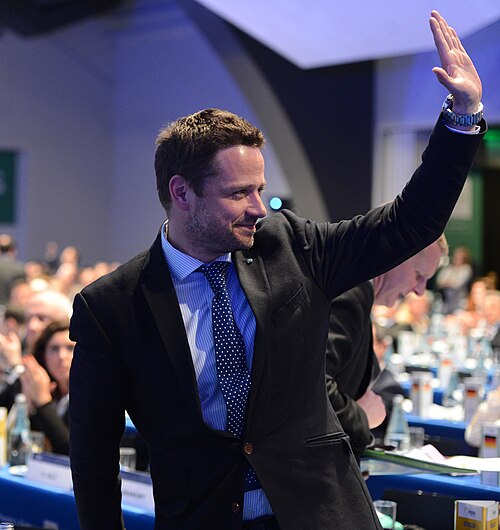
(398, 432)
(19, 432)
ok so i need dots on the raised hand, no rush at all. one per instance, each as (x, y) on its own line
(10, 350)
(36, 383)
(457, 72)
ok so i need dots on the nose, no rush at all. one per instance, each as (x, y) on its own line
(420, 287)
(256, 207)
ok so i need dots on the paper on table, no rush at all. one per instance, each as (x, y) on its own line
(473, 462)
(427, 458)
(431, 454)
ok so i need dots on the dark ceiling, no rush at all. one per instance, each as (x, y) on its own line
(33, 17)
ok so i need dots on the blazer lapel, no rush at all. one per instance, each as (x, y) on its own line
(253, 280)
(160, 294)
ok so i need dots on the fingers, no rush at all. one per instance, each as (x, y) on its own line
(441, 30)
(456, 41)
(446, 38)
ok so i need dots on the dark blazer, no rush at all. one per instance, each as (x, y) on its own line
(132, 353)
(351, 364)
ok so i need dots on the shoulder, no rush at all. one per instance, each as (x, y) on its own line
(359, 298)
(121, 280)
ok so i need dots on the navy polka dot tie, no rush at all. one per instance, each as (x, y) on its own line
(230, 355)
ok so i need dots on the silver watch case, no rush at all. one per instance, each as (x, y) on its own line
(460, 119)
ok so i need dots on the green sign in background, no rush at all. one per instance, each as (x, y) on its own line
(7, 186)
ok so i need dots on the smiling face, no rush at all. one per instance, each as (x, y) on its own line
(409, 276)
(223, 218)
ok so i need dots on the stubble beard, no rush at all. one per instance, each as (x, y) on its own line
(207, 233)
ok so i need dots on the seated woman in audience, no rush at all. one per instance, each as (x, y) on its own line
(45, 382)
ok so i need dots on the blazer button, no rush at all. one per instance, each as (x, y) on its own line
(235, 507)
(248, 448)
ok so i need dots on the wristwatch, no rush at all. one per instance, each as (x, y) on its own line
(460, 119)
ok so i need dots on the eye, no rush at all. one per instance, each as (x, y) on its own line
(239, 194)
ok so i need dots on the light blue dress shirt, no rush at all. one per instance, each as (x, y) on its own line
(195, 300)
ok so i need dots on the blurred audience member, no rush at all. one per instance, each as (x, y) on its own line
(453, 279)
(11, 269)
(66, 279)
(487, 412)
(51, 257)
(491, 311)
(70, 255)
(34, 269)
(42, 308)
(472, 316)
(14, 320)
(45, 382)
(413, 313)
(20, 293)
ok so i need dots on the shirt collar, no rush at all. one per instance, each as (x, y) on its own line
(181, 265)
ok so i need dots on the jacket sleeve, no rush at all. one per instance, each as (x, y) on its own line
(342, 255)
(49, 422)
(97, 421)
(351, 416)
(349, 361)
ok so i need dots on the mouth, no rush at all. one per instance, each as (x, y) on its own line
(248, 228)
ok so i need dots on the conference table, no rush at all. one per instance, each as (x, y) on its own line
(28, 503)
(464, 487)
(446, 435)
(428, 499)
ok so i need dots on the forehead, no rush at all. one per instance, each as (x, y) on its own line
(46, 307)
(240, 163)
(59, 336)
(37, 305)
(428, 259)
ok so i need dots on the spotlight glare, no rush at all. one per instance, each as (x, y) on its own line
(275, 203)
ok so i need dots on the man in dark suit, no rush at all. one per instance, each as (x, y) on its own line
(146, 344)
(351, 364)
(11, 269)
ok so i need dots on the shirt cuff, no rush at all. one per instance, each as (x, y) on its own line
(475, 131)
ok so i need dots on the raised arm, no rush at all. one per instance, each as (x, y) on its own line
(457, 72)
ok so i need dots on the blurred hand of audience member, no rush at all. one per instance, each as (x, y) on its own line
(374, 408)
(10, 350)
(36, 383)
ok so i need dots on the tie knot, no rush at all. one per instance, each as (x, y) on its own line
(215, 273)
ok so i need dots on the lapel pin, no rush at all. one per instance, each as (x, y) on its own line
(249, 261)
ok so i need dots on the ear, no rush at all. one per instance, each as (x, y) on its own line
(179, 192)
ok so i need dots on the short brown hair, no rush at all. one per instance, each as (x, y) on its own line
(188, 146)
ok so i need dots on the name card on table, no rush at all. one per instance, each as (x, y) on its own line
(50, 469)
(137, 489)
